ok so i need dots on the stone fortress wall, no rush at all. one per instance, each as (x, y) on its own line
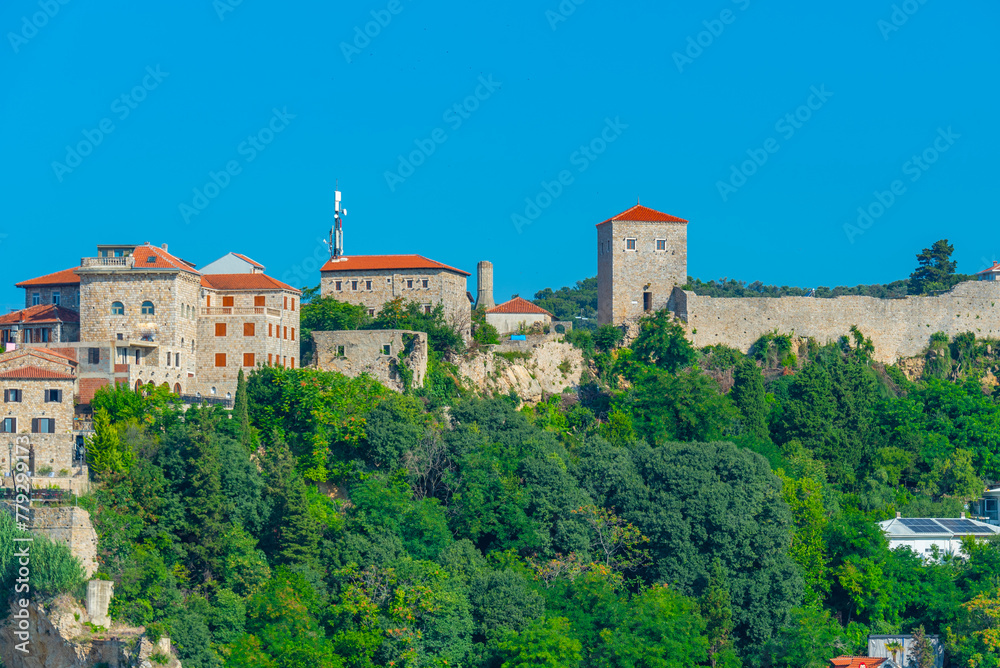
(898, 328)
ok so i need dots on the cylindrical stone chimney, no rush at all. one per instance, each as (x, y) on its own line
(484, 281)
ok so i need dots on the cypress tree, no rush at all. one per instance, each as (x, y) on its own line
(748, 395)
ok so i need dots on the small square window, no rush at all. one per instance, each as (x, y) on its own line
(220, 359)
(249, 329)
(248, 359)
(220, 329)
(339, 285)
(409, 283)
(354, 285)
(368, 285)
(371, 312)
(661, 244)
(259, 301)
(56, 297)
(53, 396)
(228, 301)
(427, 309)
(387, 349)
(425, 283)
(93, 355)
(36, 298)
(630, 244)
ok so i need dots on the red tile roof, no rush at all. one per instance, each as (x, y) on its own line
(164, 260)
(64, 277)
(34, 373)
(246, 259)
(645, 214)
(383, 262)
(992, 270)
(40, 314)
(519, 305)
(243, 282)
(857, 661)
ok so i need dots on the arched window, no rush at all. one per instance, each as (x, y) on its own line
(177, 388)
(147, 308)
(117, 308)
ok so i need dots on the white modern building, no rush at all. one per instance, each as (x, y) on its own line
(921, 534)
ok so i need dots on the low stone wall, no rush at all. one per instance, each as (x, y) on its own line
(899, 328)
(70, 526)
(353, 353)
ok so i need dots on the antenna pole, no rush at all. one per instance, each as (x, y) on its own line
(337, 232)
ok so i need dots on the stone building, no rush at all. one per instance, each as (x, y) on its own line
(380, 353)
(517, 316)
(61, 288)
(373, 280)
(43, 323)
(641, 257)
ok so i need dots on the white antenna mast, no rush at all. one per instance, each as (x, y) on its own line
(337, 231)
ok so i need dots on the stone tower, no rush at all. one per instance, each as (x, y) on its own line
(484, 282)
(641, 256)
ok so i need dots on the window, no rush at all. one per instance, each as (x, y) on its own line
(630, 244)
(259, 300)
(43, 426)
(36, 298)
(293, 333)
(8, 426)
(269, 359)
(147, 308)
(119, 253)
(227, 301)
(168, 359)
(647, 301)
(93, 355)
(388, 280)
(12, 396)
(43, 335)
(249, 329)
(293, 303)
(208, 301)
(387, 349)
(269, 330)
(151, 259)
(220, 360)
(138, 356)
(371, 311)
(117, 308)
(220, 329)
(284, 361)
(340, 351)
(427, 309)
(286, 333)
(248, 359)
(53, 396)
(661, 244)
(338, 284)
(121, 337)
(177, 359)
(424, 282)
(368, 285)
(409, 282)
(354, 285)
(284, 302)
(56, 297)
(293, 362)
(212, 390)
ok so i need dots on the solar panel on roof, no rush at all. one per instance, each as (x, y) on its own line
(963, 526)
(921, 525)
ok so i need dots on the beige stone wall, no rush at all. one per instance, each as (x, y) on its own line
(624, 275)
(33, 404)
(69, 296)
(898, 327)
(511, 323)
(276, 334)
(70, 526)
(353, 353)
(445, 287)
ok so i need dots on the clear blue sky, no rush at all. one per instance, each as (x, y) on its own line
(554, 84)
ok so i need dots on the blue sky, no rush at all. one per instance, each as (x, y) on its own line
(687, 91)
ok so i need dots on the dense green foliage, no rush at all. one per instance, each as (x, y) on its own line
(577, 304)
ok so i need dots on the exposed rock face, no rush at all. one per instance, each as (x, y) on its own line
(551, 368)
(57, 637)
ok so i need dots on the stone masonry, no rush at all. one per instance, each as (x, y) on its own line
(898, 328)
(641, 257)
(376, 352)
(70, 526)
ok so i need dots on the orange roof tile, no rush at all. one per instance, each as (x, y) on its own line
(164, 260)
(34, 373)
(243, 282)
(40, 313)
(246, 259)
(992, 270)
(857, 661)
(641, 213)
(64, 277)
(383, 262)
(519, 305)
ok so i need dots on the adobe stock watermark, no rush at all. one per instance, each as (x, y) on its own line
(582, 158)
(381, 18)
(21, 618)
(562, 13)
(696, 44)
(901, 13)
(223, 7)
(787, 126)
(299, 273)
(455, 116)
(31, 25)
(122, 106)
(249, 149)
(915, 167)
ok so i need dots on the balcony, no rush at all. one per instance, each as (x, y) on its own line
(108, 262)
(238, 310)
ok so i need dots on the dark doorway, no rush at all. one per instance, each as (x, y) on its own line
(647, 301)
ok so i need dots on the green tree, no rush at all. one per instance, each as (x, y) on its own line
(715, 606)
(922, 650)
(662, 342)
(607, 337)
(546, 643)
(748, 396)
(107, 456)
(809, 639)
(686, 406)
(241, 410)
(805, 499)
(936, 269)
